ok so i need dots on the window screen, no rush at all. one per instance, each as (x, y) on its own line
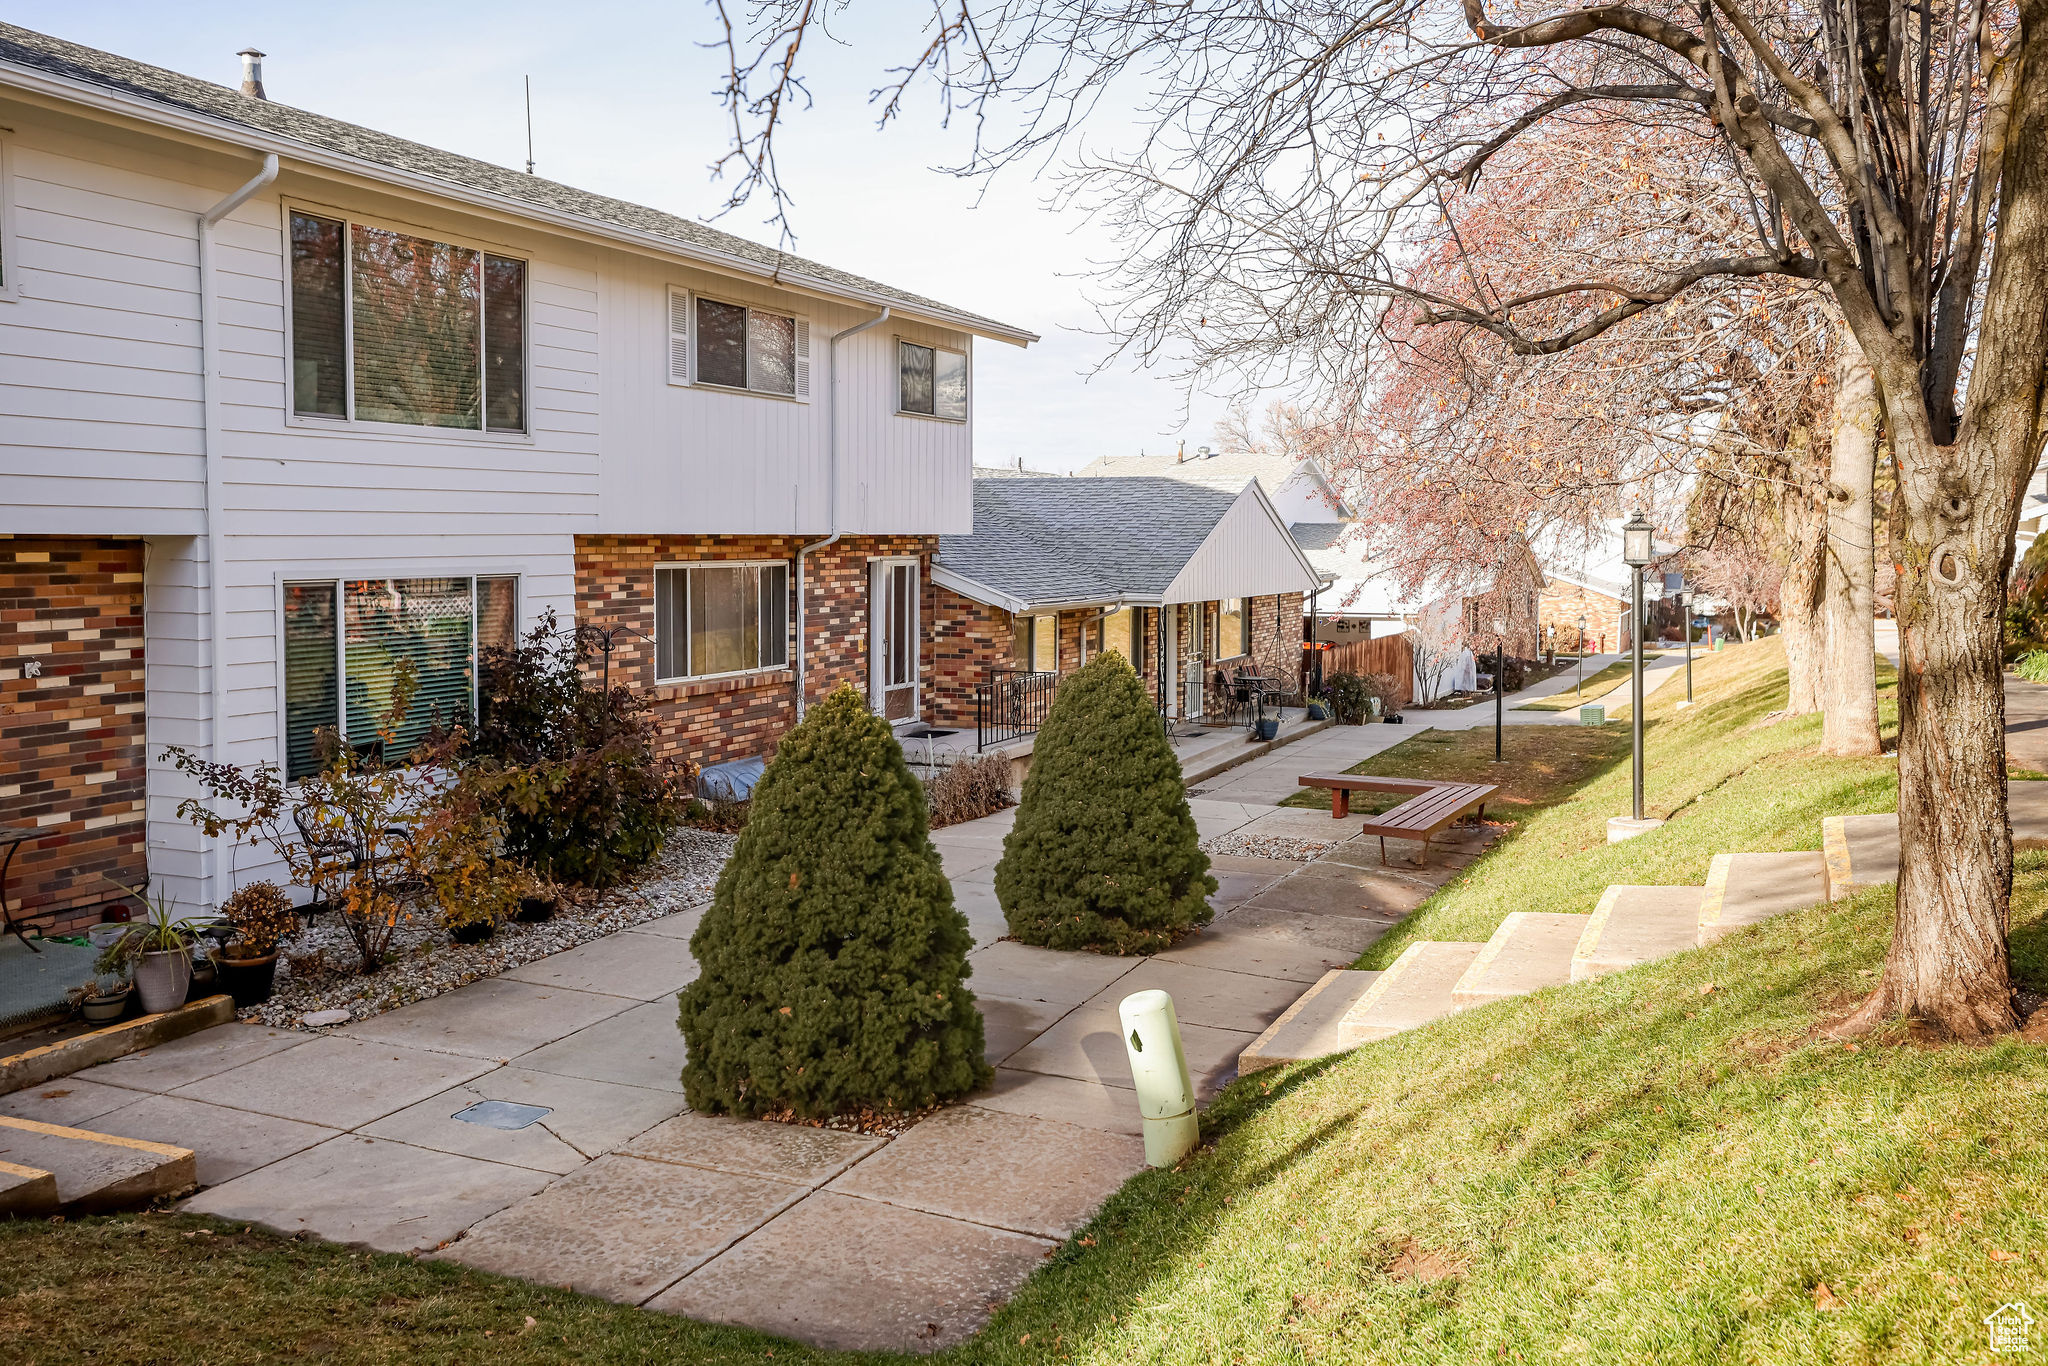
(418, 317)
(721, 344)
(319, 310)
(771, 353)
(504, 344)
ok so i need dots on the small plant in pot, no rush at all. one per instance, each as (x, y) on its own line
(260, 915)
(102, 1000)
(539, 899)
(158, 949)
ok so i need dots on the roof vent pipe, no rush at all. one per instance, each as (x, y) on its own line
(252, 73)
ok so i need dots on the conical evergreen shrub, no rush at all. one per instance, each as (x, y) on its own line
(1104, 854)
(834, 963)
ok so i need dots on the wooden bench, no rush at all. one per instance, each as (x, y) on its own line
(1430, 807)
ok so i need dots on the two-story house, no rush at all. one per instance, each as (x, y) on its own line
(285, 400)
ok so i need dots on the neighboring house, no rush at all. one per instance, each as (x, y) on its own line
(1579, 593)
(1181, 579)
(284, 400)
(1300, 492)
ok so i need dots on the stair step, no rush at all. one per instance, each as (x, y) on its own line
(1530, 951)
(96, 1172)
(1413, 991)
(1311, 1027)
(26, 1192)
(1860, 852)
(1747, 889)
(1633, 925)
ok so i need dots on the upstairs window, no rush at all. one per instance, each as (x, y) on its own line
(732, 346)
(389, 327)
(931, 381)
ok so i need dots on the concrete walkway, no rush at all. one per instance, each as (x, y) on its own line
(367, 1133)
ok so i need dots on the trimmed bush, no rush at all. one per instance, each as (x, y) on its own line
(834, 961)
(1104, 854)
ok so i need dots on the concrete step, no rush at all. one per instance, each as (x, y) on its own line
(1746, 889)
(1530, 951)
(1311, 1027)
(1859, 852)
(26, 1192)
(1633, 925)
(96, 1172)
(1413, 991)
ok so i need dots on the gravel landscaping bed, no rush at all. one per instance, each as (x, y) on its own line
(1267, 846)
(425, 962)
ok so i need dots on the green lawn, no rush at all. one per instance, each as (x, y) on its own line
(1668, 1165)
(1598, 685)
(1544, 765)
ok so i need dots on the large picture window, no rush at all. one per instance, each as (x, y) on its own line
(931, 381)
(712, 619)
(344, 640)
(390, 327)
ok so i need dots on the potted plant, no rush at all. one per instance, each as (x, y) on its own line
(158, 948)
(538, 900)
(259, 914)
(102, 1000)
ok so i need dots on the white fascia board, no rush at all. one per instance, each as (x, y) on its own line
(977, 591)
(240, 137)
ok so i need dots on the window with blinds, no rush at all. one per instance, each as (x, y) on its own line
(344, 641)
(391, 327)
(713, 619)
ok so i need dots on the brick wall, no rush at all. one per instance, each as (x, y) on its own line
(1606, 618)
(964, 640)
(712, 720)
(72, 750)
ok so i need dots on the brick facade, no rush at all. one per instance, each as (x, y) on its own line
(1515, 599)
(713, 720)
(72, 747)
(1606, 618)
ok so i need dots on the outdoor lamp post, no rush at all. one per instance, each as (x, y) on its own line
(1683, 597)
(1581, 689)
(1500, 666)
(1637, 536)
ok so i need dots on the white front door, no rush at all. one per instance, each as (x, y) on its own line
(892, 639)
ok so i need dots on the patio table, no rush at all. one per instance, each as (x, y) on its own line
(12, 837)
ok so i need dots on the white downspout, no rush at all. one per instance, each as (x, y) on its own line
(803, 653)
(216, 483)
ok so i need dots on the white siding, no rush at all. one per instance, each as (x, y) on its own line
(1248, 554)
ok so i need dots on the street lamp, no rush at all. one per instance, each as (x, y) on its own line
(1500, 666)
(1637, 543)
(1582, 657)
(1683, 597)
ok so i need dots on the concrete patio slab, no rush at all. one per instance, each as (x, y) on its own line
(958, 860)
(1234, 889)
(983, 873)
(1339, 889)
(624, 1228)
(1018, 972)
(630, 964)
(1299, 823)
(1272, 943)
(496, 1018)
(226, 1143)
(1089, 1045)
(797, 1154)
(1089, 1104)
(1220, 864)
(389, 1196)
(197, 1056)
(681, 925)
(585, 1118)
(977, 901)
(1008, 1025)
(69, 1101)
(971, 835)
(812, 1274)
(1016, 1172)
(636, 1047)
(335, 1082)
(1205, 995)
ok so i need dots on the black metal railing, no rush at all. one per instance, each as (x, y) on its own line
(1011, 705)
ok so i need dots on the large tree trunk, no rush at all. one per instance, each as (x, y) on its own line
(1849, 670)
(1952, 535)
(1803, 515)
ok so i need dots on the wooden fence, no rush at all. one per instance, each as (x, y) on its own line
(1385, 655)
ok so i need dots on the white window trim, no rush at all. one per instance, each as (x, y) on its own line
(10, 252)
(788, 623)
(338, 575)
(800, 361)
(350, 424)
(896, 370)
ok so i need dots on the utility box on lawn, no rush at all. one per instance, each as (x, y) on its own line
(1592, 714)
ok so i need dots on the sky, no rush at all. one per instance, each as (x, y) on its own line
(625, 104)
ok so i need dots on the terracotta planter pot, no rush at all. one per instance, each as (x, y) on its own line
(163, 978)
(249, 980)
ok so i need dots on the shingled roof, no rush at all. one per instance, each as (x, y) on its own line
(1043, 542)
(41, 53)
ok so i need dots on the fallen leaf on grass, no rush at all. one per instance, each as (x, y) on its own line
(2000, 1255)
(1824, 1298)
(1418, 1263)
